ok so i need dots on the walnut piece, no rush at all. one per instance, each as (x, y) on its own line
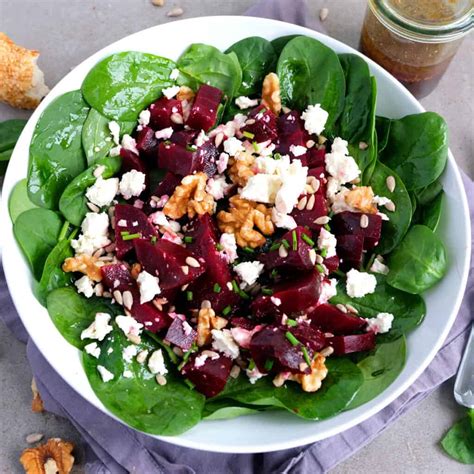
(271, 93)
(361, 198)
(135, 270)
(190, 197)
(313, 381)
(241, 219)
(240, 168)
(86, 264)
(37, 402)
(208, 320)
(52, 457)
(185, 93)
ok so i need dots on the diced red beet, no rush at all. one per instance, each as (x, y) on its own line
(168, 261)
(204, 110)
(210, 377)
(263, 306)
(353, 343)
(148, 314)
(241, 322)
(184, 137)
(307, 217)
(350, 250)
(264, 126)
(167, 185)
(297, 259)
(291, 131)
(348, 223)
(311, 337)
(181, 334)
(331, 263)
(117, 277)
(125, 218)
(131, 161)
(316, 158)
(161, 112)
(147, 143)
(330, 319)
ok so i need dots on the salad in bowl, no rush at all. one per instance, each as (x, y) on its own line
(233, 232)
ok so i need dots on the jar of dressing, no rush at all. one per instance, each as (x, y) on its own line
(415, 40)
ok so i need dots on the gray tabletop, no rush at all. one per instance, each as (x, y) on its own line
(68, 31)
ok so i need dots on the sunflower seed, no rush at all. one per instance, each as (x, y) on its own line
(302, 203)
(93, 207)
(127, 299)
(158, 3)
(311, 202)
(34, 438)
(323, 220)
(178, 351)
(99, 290)
(177, 118)
(364, 221)
(219, 139)
(98, 171)
(323, 14)
(185, 269)
(192, 262)
(178, 11)
(161, 379)
(282, 252)
(118, 297)
(310, 143)
(363, 146)
(391, 183)
(341, 307)
(390, 206)
(327, 351)
(235, 371)
(134, 339)
(351, 309)
(319, 259)
(312, 256)
(141, 356)
(250, 122)
(206, 304)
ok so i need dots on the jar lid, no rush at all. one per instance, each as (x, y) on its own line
(426, 20)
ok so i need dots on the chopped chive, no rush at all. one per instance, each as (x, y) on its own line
(244, 295)
(248, 250)
(320, 268)
(275, 246)
(217, 288)
(219, 247)
(251, 364)
(267, 291)
(291, 322)
(285, 243)
(73, 234)
(307, 239)
(131, 236)
(64, 229)
(255, 146)
(191, 147)
(189, 295)
(268, 364)
(326, 226)
(235, 287)
(124, 232)
(274, 273)
(295, 240)
(248, 135)
(188, 240)
(339, 273)
(291, 338)
(189, 383)
(226, 310)
(306, 356)
(153, 239)
(277, 156)
(324, 253)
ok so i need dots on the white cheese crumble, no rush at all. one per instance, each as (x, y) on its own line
(200, 360)
(92, 349)
(128, 374)
(339, 164)
(359, 284)
(103, 191)
(223, 341)
(99, 328)
(156, 363)
(115, 151)
(129, 353)
(382, 323)
(217, 187)
(245, 102)
(85, 286)
(114, 128)
(174, 74)
(378, 266)
(315, 118)
(249, 272)
(149, 286)
(201, 139)
(106, 375)
(229, 247)
(222, 162)
(170, 92)
(328, 242)
(232, 146)
(262, 188)
(283, 221)
(328, 290)
(144, 118)
(293, 185)
(164, 133)
(254, 375)
(129, 143)
(129, 325)
(298, 150)
(159, 218)
(132, 184)
(95, 227)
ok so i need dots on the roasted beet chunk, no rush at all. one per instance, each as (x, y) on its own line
(354, 343)
(298, 244)
(147, 143)
(312, 338)
(331, 263)
(317, 208)
(167, 185)
(263, 124)
(264, 306)
(131, 161)
(181, 334)
(169, 261)
(350, 250)
(291, 132)
(129, 221)
(348, 223)
(315, 158)
(151, 317)
(161, 112)
(209, 374)
(330, 319)
(117, 277)
(204, 110)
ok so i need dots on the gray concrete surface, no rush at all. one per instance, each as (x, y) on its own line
(68, 31)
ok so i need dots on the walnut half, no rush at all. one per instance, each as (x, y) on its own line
(85, 264)
(313, 381)
(208, 320)
(271, 93)
(52, 457)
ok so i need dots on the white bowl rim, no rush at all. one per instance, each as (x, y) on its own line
(361, 413)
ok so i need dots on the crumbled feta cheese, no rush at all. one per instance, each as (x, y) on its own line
(128, 374)
(382, 323)
(222, 162)
(129, 325)
(293, 185)
(262, 188)
(217, 187)
(99, 328)
(245, 102)
(249, 272)
(254, 375)
(159, 218)
(378, 266)
(359, 284)
(298, 150)
(114, 128)
(339, 164)
(232, 146)
(200, 360)
(340, 146)
(164, 133)
(327, 241)
(283, 221)
(328, 290)
(315, 118)
(149, 286)
(115, 151)
(174, 74)
(229, 247)
(276, 301)
(103, 191)
(85, 286)
(267, 165)
(129, 143)
(94, 228)
(201, 139)
(264, 149)
(223, 341)
(170, 92)
(144, 117)
(92, 349)
(156, 363)
(132, 184)
(332, 188)
(129, 353)
(106, 375)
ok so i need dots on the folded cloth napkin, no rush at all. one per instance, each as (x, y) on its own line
(113, 448)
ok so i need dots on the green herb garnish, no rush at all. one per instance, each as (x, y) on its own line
(306, 356)
(292, 339)
(131, 236)
(217, 288)
(307, 239)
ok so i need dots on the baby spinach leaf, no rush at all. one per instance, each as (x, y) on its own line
(408, 310)
(427, 194)
(380, 368)
(227, 409)
(201, 63)
(71, 313)
(6, 155)
(139, 400)
(279, 43)
(310, 73)
(19, 201)
(257, 58)
(96, 137)
(419, 262)
(123, 84)
(430, 214)
(417, 148)
(56, 154)
(339, 387)
(394, 229)
(382, 128)
(10, 131)
(73, 201)
(459, 441)
(37, 231)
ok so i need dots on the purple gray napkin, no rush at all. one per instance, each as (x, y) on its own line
(113, 448)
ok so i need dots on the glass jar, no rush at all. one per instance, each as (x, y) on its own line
(415, 40)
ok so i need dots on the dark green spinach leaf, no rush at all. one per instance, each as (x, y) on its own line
(459, 441)
(10, 131)
(382, 128)
(427, 194)
(19, 201)
(279, 43)
(430, 214)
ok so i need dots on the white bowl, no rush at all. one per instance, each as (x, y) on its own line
(266, 431)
